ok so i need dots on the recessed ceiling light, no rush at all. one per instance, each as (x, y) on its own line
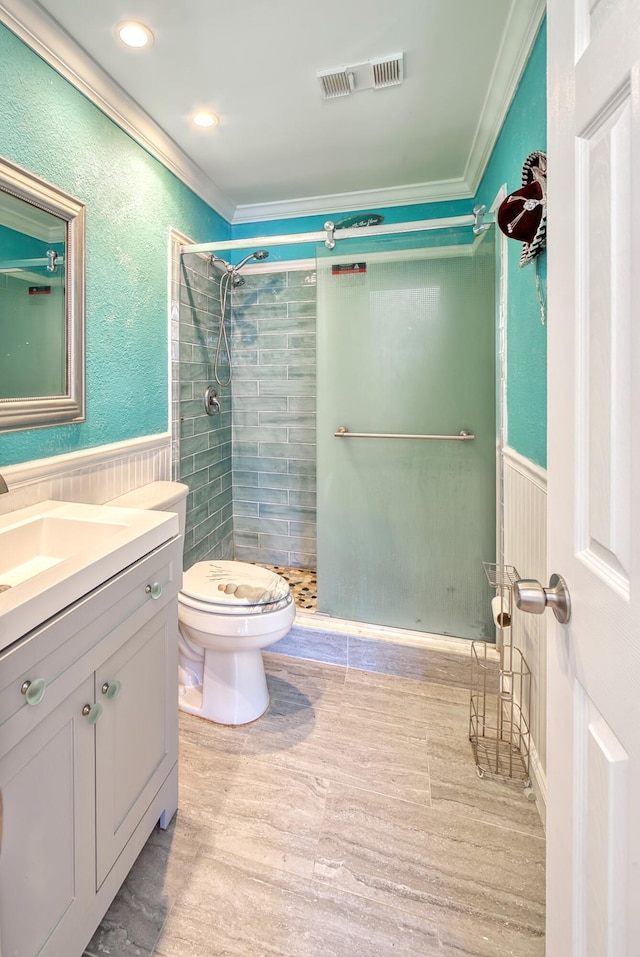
(134, 34)
(205, 120)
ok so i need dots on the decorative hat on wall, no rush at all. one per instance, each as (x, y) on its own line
(523, 214)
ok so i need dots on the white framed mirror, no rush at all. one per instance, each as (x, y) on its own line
(42, 257)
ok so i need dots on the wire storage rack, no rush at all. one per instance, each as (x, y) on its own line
(500, 702)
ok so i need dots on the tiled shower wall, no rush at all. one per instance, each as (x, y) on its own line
(274, 401)
(203, 459)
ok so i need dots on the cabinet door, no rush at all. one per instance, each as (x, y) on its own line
(137, 736)
(47, 850)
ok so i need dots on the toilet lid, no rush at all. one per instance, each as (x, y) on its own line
(234, 585)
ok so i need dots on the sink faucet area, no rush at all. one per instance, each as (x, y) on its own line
(53, 553)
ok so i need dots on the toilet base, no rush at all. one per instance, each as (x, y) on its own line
(233, 691)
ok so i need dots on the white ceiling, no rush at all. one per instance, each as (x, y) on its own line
(279, 145)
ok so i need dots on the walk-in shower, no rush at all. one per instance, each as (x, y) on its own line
(362, 430)
(230, 276)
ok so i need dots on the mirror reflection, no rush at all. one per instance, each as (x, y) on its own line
(33, 334)
(41, 302)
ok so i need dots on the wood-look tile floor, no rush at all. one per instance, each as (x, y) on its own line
(347, 822)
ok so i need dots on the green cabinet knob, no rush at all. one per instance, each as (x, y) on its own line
(92, 712)
(154, 590)
(34, 691)
(111, 689)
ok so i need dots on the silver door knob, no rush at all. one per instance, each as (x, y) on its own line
(531, 596)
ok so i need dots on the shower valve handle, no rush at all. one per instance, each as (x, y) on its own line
(211, 401)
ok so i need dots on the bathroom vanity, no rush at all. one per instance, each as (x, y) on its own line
(88, 715)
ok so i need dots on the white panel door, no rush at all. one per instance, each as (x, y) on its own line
(593, 826)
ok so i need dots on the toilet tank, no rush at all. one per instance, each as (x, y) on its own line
(159, 496)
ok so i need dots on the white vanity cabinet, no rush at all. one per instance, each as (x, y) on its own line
(89, 768)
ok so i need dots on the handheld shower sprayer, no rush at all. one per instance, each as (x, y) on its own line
(231, 275)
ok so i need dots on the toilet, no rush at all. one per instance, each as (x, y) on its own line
(227, 613)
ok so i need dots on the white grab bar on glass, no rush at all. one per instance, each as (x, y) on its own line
(343, 433)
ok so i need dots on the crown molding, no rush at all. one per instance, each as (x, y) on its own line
(31, 24)
(332, 203)
(521, 30)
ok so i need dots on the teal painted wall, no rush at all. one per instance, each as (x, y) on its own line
(524, 130)
(49, 128)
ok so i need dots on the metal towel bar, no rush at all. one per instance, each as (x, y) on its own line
(343, 433)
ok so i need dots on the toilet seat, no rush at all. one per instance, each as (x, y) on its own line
(233, 588)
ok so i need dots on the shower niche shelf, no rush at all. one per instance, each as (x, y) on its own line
(500, 702)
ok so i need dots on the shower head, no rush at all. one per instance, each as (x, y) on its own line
(258, 254)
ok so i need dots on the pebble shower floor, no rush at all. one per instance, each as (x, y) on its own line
(303, 585)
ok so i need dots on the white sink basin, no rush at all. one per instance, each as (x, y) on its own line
(35, 545)
(53, 553)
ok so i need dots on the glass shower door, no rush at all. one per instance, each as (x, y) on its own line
(406, 346)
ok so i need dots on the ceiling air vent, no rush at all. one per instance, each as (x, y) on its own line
(387, 71)
(368, 75)
(334, 83)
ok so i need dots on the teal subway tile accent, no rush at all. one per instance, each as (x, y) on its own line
(303, 559)
(263, 496)
(259, 404)
(259, 373)
(244, 359)
(269, 540)
(245, 539)
(298, 483)
(209, 458)
(302, 310)
(259, 312)
(289, 451)
(249, 419)
(303, 372)
(289, 387)
(197, 443)
(244, 389)
(288, 324)
(203, 494)
(296, 467)
(299, 420)
(186, 428)
(286, 357)
(249, 509)
(299, 293)
(215, 471)
(281, 512)
(301, 277)
(245, 448)
(264, 280)
(307, 436)
(244, 297)
(259, 434)
(254, 463)
(302, 340)
(265, 555)
(301, 403)
(270, 526)
(198, 515)
(303, 530)
(243, 478)
(277, 340)
(195, 479)
(304, 499)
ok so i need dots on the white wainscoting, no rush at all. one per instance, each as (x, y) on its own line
(92, 475)
(525, 546)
